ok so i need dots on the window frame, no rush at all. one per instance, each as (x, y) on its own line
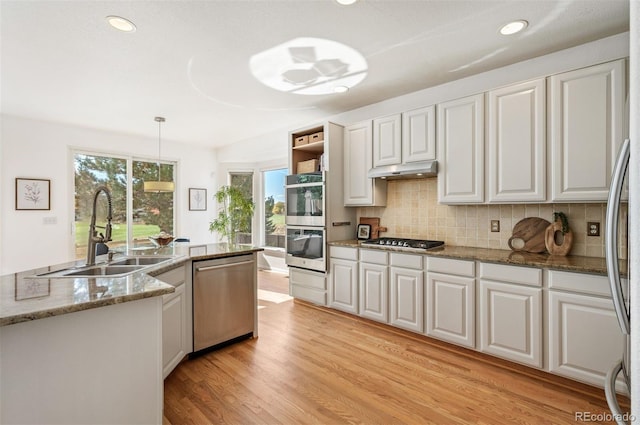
(73, 151)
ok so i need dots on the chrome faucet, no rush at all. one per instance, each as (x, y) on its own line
(94, 239)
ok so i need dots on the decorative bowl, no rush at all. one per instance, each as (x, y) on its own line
(161, 240)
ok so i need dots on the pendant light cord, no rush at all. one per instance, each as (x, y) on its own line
(160, 120)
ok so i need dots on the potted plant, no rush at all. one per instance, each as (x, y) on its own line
(235, 211)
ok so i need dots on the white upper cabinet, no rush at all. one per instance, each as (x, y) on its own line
(516, 139)
(461, 150)
(359, 190)
(419, 134)
(387, 145)
(586, 117)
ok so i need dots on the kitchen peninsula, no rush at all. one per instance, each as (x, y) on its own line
(90, 349)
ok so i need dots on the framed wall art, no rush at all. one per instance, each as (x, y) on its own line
(364, 230)
(197, 199)
(33, 194)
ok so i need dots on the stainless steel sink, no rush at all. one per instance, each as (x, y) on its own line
(112, 271)
(141, 260)
(117, 268)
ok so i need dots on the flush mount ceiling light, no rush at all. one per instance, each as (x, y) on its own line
(340, 89)
(159, 186)
(120, 23)
(310, 66)
(346, 2)
(513, 27)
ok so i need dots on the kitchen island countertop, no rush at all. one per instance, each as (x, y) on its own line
(24, 298)
(571, 263)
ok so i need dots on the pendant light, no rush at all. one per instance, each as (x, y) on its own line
(159, 186)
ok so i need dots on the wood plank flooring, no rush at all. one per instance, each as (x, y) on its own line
(312, 365)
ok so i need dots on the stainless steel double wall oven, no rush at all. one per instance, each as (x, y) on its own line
(306, 221)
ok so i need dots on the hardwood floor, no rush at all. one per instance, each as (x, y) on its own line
(312, 365)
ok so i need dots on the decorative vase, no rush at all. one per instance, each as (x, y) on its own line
(556, 242)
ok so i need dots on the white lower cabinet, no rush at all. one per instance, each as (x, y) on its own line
(584, 336)
(343, 286)
(407, 291)
(175, 321)
(343, 279)
(510, 308)
(450, 301)
(373, 280)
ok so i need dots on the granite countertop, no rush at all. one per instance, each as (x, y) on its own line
(573, 263)
(24, 298)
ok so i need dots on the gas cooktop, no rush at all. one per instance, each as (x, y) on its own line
(409, 244)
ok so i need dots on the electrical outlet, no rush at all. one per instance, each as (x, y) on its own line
(495, 225)
(593, 228)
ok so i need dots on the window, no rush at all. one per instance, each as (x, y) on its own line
(149, 213)
(274, 207)
(243, 181)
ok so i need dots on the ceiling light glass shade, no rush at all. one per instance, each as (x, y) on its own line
(121, 23)
(309, 66)
(346, 2)
(513, 27)
(158, 186)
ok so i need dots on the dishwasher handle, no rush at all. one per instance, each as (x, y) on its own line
(223, 266)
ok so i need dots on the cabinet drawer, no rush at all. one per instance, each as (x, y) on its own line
(307, 278)
(580, 282)
(450, 266)
(374, 256)
(511, 274)
(309, 294)
(406, 260)
(343, 252)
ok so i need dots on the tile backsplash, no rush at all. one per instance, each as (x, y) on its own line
(413, 211)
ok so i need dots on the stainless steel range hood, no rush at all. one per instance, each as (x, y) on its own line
(412, 170)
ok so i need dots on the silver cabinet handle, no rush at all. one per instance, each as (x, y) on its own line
(611, 237)
(223, 266)
(610, 393)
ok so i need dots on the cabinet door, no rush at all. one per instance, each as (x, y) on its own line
(407, 291)
(511, 322)
(387, 144)
(584, 337)
(359, 190)
(374, 292)
(461, 150)
(173, 329)
(586, 130)
(419, 134)
(516, 166)
(343, 285)
(450, 308)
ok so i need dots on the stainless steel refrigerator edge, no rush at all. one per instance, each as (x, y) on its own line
(634, 202)
(631, 323)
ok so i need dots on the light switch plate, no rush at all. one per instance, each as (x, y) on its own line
(593, 228)
(495, 225)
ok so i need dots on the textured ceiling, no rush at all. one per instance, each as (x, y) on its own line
(190, 60)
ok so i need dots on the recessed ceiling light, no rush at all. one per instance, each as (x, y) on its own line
(340, 89)
(513, 27)
(346, 2)
(121, 23)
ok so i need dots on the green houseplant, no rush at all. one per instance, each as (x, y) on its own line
(235, 211)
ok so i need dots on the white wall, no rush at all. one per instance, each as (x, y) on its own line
(39, 149)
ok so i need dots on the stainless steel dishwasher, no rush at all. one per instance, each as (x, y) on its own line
(224, 300)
